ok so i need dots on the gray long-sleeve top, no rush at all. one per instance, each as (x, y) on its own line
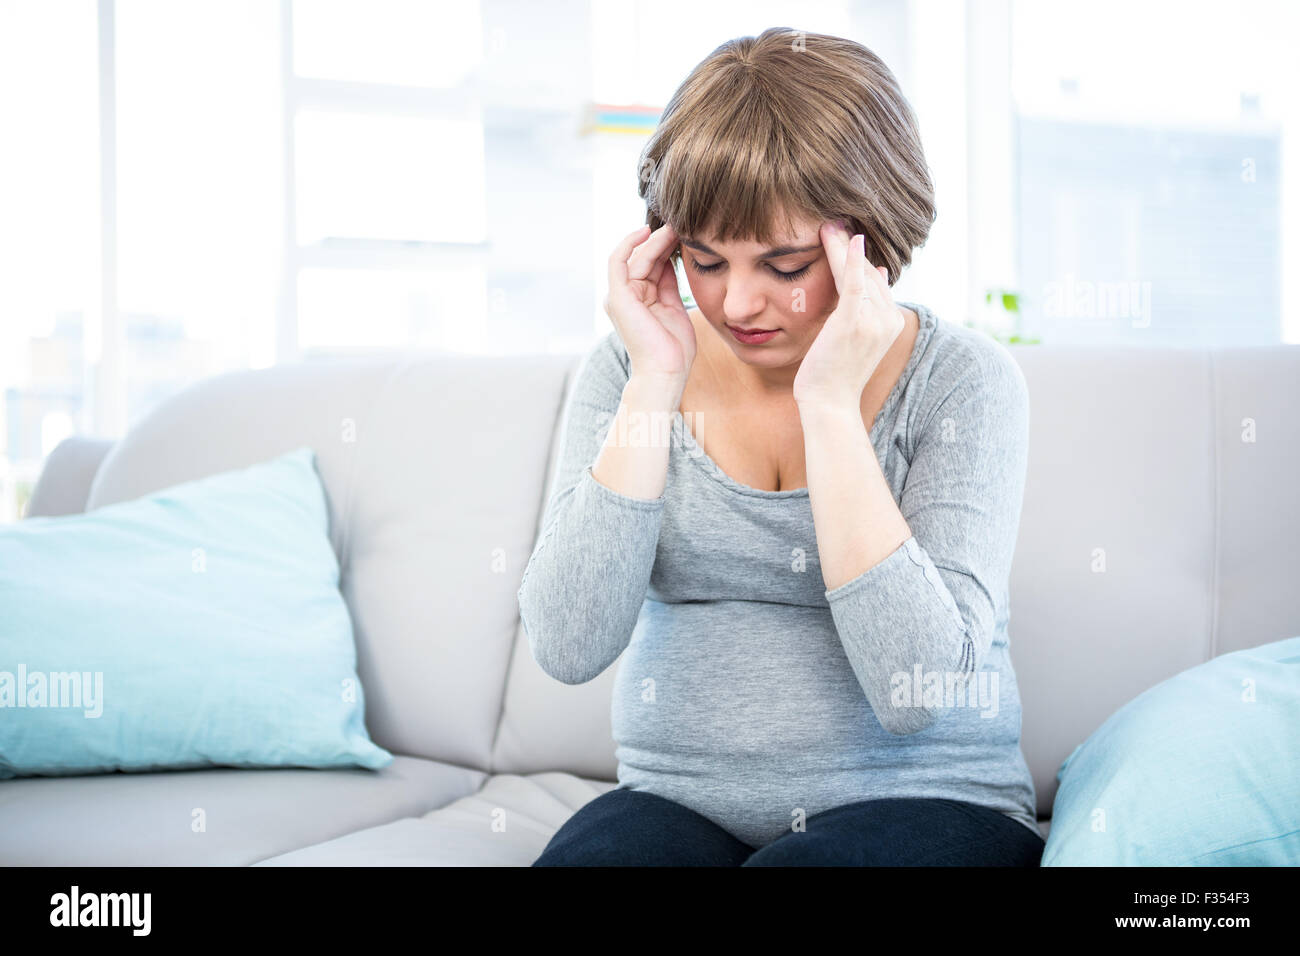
(747, 691)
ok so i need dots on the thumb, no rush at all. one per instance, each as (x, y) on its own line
(668, 292)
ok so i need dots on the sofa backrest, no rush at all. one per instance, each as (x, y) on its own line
(1158, 530)
(433, 468)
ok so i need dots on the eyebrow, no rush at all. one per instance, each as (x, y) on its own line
(775, 253)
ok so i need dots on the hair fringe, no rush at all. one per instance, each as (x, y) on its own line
(785, 126)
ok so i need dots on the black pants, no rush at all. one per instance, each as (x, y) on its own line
(634, 828)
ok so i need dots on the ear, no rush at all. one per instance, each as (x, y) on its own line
(884, 273)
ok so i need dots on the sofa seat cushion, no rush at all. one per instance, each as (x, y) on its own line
(506, 823)
(147, 819)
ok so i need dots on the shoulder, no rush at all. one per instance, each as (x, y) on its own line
(966, 359)
(605, 366)
(611, 346)
(965, 367)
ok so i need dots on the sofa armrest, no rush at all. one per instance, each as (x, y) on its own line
(64, 484)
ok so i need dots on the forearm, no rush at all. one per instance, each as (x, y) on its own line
(890, 614)
(634, 457)
(586, 580)
(857, 521)
(897, 612)
(587, 577)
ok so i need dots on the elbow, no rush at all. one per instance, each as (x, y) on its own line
(912, 706)
(539, 649)
(558, 668)
(904, 721)
(551, 656)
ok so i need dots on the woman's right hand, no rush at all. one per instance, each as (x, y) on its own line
(646, 307)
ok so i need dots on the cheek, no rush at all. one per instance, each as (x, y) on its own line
(707, 291)
(810, 299)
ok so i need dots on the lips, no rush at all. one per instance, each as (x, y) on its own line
(752, 336)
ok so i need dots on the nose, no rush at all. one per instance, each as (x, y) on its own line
(743, 301)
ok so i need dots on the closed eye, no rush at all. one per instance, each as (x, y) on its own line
(791, 276)
(715, 266)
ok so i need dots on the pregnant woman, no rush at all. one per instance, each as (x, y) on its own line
(793, 509)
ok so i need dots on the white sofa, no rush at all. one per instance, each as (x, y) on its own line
(1135, 454)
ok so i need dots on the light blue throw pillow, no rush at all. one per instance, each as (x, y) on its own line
(1201, 770)
(198, 626)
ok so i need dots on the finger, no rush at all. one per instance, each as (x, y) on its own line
(669, 292)
(618, 258)
(647, 255)
(874, 289)
(672, 310)
(878, 284)
(835, 239)
(854, 274)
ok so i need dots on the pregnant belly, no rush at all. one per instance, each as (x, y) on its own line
(745, 679)
(740, 679)
(748, 712)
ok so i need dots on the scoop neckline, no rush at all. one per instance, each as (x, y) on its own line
(702, 459)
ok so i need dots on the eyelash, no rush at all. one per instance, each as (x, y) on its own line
(787, 276)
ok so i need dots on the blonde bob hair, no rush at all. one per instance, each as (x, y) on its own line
(790, 124)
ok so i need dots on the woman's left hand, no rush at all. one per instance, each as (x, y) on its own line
(855, 337)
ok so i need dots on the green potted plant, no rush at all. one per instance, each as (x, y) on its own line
(1002, 319)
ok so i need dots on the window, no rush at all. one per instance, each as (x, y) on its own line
(389, 177)
(389, 171)
(49, 234)
(410, 43)
(1151, 171)
(196, 217)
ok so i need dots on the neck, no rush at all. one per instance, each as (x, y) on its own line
(764, 383)
(768, 383)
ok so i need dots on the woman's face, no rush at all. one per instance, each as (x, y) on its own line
(787, 287)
